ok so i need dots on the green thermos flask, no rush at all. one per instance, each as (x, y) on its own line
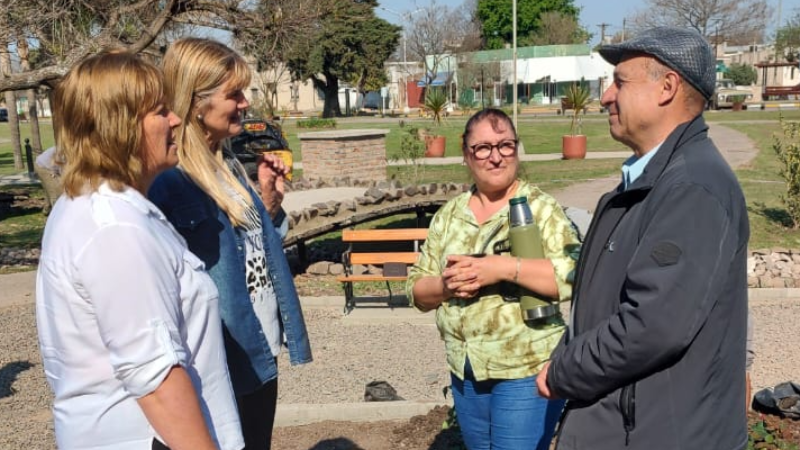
(526, 242)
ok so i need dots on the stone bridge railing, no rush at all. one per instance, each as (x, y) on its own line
(380, 199)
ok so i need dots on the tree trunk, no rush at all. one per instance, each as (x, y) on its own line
(331, 89)
(33, 120)
(10, 99)
(33, 115)
(13, 125)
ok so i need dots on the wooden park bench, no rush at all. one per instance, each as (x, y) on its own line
(393, 249)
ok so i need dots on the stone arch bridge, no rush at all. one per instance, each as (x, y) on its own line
(379, 200)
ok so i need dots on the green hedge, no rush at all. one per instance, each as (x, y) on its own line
(316, 122)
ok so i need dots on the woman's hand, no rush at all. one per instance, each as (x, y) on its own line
(465, 275)
(271, 179)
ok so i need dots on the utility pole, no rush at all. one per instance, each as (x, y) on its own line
(514, 57)
(780, 7)
(623, 30)
(603, 27)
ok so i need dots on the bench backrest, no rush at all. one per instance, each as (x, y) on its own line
(415, 235)
(392, 234)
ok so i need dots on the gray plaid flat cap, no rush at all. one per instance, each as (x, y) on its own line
(681, 49)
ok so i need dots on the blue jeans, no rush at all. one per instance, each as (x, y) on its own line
(503, 414)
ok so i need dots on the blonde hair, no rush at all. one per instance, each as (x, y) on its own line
(195, 69)
(100, 105)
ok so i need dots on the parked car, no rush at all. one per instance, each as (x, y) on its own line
(259, 136)
(727, 92)
(3, 115)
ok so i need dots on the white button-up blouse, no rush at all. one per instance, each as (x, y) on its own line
(119, 302)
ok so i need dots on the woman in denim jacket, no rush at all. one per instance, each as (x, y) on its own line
(233, 229)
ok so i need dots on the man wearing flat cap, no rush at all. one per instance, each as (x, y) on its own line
(655, 356)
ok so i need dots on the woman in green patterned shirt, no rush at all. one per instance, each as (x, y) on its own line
(493, 355)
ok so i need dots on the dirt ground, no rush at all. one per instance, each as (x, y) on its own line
(422, 432)
(425, 433)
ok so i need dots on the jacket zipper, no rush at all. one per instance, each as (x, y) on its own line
(586, 244)
(627, 405)
(561, 420)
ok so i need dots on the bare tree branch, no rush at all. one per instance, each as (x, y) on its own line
(733, 21)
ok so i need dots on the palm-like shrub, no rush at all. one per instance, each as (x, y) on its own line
(579, 98)
(435, 102)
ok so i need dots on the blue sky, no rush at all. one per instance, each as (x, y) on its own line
(594, 12)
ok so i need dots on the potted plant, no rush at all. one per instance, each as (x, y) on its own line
(435, 103)
(737, 102)
(573, 145)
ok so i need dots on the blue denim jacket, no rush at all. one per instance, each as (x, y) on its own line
(211, 236)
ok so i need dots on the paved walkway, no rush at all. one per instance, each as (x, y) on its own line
(736, 147)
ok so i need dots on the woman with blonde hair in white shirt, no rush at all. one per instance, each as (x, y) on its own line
(128, 322)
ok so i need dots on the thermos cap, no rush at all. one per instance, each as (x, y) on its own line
(519, 212)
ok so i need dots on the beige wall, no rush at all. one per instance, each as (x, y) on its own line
(288, 96)
(775, 76)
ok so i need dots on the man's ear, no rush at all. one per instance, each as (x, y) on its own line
(669, 87)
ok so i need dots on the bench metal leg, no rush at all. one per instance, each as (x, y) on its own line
(349, 299)
(389, 288)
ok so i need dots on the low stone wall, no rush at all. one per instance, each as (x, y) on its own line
(361, 154)
(766, 268)
(774, 268)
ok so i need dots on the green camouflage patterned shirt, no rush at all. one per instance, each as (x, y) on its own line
(489, 329)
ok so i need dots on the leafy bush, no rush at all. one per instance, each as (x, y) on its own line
(763, 435)
(412, 151)
(787, 147)
(739, 98)
(742, 74)
(316, 122)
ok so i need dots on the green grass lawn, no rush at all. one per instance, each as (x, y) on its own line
(6, 148)
(770, 225)
(24, 226)
(537, 135)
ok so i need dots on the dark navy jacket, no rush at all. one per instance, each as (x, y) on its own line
(210, 235)
(655, 357)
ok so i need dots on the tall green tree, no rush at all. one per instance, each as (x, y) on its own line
(349, 44)
(496, 19)
(557, 28)
(787, 39)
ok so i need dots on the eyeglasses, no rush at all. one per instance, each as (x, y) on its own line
(483, 150)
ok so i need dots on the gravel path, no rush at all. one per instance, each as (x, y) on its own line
(348, 354)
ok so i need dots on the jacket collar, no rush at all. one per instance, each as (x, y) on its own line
(686, 132)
